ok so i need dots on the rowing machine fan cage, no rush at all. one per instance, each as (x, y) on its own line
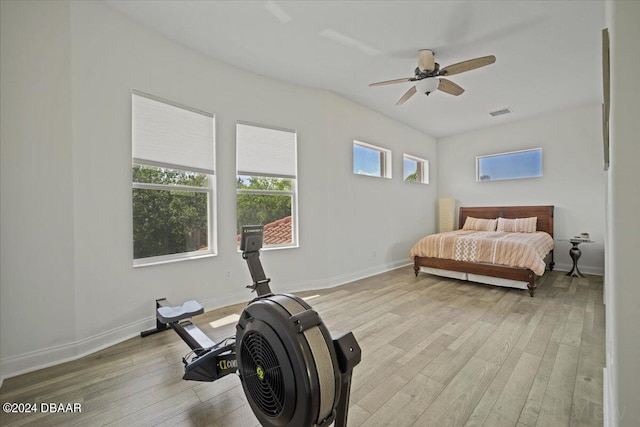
(287, 363)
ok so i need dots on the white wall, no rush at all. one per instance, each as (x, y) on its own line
(66, 227)
(391, 214)
(110, 56)
(623, 228)
(37, 263)
(573, 178)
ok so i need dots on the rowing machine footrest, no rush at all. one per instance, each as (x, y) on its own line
(179, 312)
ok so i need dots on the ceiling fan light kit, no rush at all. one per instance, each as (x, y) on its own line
(428, 71)
(428, 85)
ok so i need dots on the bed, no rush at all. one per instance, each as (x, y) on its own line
(468, 268)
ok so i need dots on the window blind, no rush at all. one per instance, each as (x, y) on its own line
(166, 134)
(265, 151)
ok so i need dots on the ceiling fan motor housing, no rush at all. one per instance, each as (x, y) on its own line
(423, 74)
(287, 363)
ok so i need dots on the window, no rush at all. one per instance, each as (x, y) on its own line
(415, 169)
(512, 165)
(371, 160)
(172, 179)
(266, 189)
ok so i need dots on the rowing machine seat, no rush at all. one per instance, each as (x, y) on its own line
(180, 312)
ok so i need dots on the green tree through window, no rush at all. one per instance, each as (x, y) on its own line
(259, 202)
(166, 220)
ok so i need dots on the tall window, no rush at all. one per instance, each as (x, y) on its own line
(511, 165)
(266, 182)
(371, 160)
(173, 180)
(415, 169)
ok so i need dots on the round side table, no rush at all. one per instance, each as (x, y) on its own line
(575, 254)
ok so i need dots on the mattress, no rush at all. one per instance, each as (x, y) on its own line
(525, 250)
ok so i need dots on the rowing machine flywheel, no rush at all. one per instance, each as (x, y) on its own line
(287, 363)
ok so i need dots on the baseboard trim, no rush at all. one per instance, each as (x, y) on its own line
(605, 399)
(342, 279)
(40, 359)
(44, 358)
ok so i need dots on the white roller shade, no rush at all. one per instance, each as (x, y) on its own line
(167, 134)
(265, 151)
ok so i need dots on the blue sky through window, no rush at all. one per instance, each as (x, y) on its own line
(522, 164)
(366, 161)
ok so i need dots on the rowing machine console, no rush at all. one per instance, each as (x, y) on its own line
(292, 371)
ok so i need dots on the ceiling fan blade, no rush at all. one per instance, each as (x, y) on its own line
(408, 94)
(389, 82)
(469, 65)
(449, 87)
(425, 60)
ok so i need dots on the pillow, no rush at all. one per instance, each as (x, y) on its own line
(479, 224)
(517, 225)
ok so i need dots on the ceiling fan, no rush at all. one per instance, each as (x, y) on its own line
(428, 75)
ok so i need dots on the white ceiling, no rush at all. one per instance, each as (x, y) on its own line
(548, 52)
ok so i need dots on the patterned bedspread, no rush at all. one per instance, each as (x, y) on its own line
(513, 249)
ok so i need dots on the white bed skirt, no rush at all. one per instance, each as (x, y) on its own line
(496, 281)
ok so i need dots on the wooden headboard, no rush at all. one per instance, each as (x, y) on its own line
(544, 214)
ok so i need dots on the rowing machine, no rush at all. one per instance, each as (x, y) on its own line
(292, 371)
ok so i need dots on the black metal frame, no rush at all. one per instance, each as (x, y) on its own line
(211, 362)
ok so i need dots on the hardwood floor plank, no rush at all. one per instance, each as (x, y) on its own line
(212, 410)
(154, 396)
(356, 416)
(502, 308)
(159, 411)
(381, 363)
(585, 413)
(241, 417)
(503, 339)
(448, 364)
(531, 328)
(531, 410)
(456, 402)
(556, 405)
(561, 324)
(507, 408)
(420, 329)
(378, 395)
(406, 405)
(208, 391)
(589, 381)
(484, 406)
(537, 344)
(573, 329)
(416, 360)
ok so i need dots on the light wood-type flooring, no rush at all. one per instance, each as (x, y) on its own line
(436, 352)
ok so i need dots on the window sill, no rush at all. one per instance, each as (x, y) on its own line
(273, 248)
(167, 259)
(372, 176)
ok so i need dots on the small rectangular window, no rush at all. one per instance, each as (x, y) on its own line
(173, 180)
(511, 165)
(371, 160)
(415, 169)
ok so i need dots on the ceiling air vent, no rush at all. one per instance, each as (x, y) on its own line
(501, 112)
